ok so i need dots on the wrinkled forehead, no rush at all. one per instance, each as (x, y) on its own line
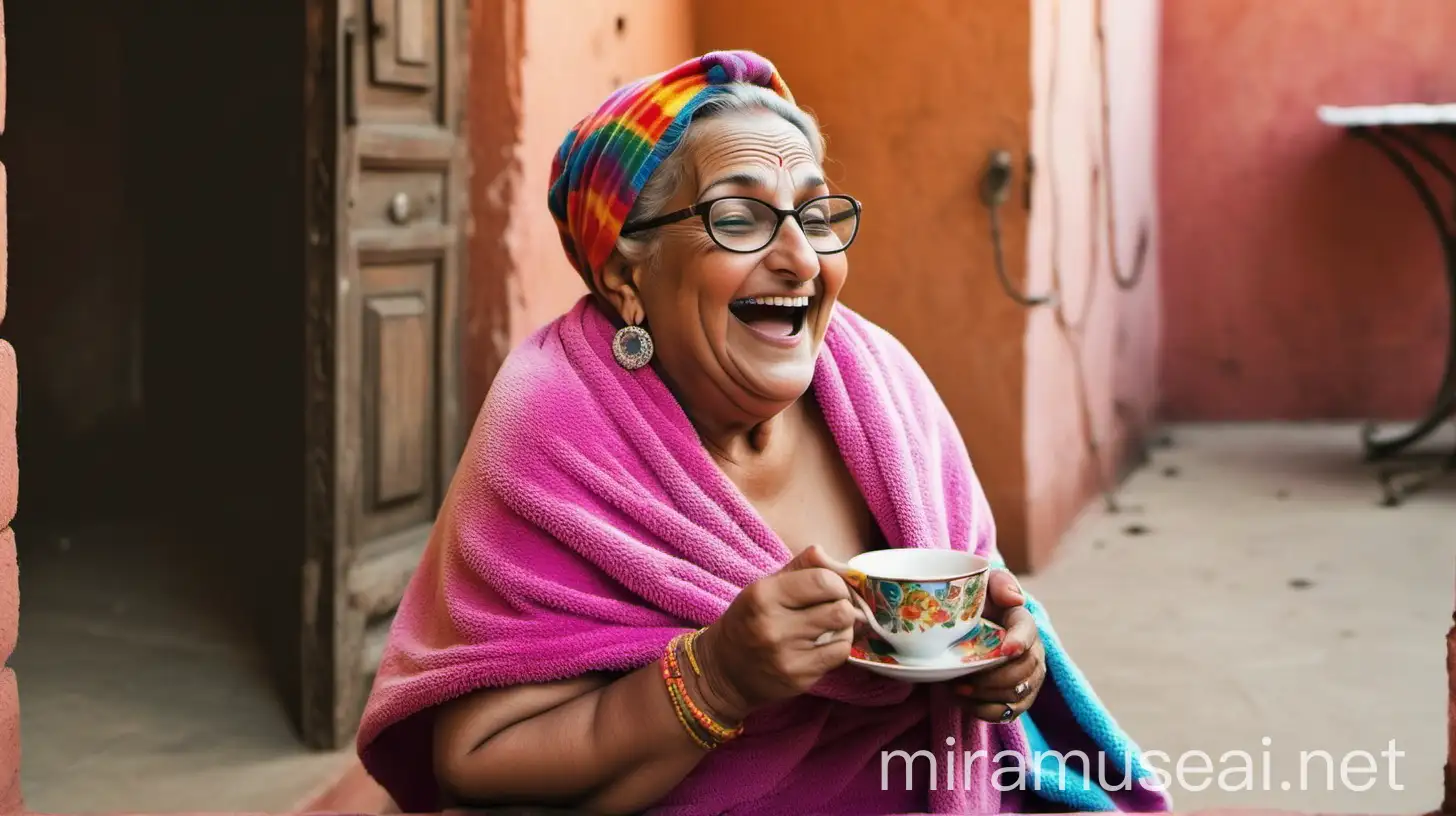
(751, 149)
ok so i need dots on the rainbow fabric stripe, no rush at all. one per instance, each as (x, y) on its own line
(607, 158)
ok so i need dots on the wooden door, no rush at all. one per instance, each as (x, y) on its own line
(386, 207)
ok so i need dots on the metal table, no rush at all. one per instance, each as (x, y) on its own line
(1404, 134)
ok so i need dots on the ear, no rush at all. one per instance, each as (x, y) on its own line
(619, 287)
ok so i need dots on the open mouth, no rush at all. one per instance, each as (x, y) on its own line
(773, 316)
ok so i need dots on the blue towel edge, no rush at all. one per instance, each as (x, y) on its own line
(1050, 777)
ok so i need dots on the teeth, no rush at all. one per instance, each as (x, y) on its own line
(790, 302)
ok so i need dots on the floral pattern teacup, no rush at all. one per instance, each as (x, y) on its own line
(920, 601)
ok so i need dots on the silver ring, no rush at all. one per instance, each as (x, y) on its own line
(826, 638)
(1022, 688)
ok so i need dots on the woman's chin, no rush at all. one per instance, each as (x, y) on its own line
(778, 384)
(767, 372)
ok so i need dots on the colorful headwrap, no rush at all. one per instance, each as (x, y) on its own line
(607, 158)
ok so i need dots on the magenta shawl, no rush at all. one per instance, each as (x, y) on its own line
(586, 526)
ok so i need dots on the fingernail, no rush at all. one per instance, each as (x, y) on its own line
(1016, 588)
(965, 689)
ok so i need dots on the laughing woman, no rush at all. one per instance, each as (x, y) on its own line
(634, 597)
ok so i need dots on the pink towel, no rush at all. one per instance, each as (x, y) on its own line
(587, 526)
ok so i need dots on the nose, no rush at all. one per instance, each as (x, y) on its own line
(790, 254)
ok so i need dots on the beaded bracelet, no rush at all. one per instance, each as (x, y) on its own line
(719, 731)
(677, 690)
(690, 646)
(677, 708)
(677, 695)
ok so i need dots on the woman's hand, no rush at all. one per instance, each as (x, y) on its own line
(1005, 692)
(779, 636)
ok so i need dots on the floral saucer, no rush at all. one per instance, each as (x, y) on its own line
(979, 650)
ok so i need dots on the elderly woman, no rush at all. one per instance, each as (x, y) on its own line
(695, 449)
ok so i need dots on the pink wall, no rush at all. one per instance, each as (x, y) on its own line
(536, 68)
(575, 55)
(1113, 333)
(1301, 277)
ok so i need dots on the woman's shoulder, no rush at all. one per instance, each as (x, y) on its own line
(530, 371)
(537, 390)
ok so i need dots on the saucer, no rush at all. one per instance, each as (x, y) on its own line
(977, 651)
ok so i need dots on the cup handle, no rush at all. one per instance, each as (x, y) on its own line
(857, 582)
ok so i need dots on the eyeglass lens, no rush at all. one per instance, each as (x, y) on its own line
(746, 225)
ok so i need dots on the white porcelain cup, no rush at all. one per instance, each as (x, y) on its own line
(920, 601)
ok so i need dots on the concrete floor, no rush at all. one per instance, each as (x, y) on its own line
(139, 690)
(1252, 588)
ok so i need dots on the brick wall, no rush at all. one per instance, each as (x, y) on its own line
(10, 800)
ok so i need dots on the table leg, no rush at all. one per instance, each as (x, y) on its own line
(1399, 484)
(1443, 407)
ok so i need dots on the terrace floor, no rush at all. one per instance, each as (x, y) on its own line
(1252, 588)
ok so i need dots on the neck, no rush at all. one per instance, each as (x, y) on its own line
(744, 443)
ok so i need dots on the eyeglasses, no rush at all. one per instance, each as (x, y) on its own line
(740, 224)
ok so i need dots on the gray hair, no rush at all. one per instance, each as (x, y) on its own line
(641, 248)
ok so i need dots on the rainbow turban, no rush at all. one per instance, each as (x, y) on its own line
(607, 157)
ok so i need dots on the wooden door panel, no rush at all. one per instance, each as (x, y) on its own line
(405, 75)
(406, 42)
(400, 397)
(390, 199)
(382, 105)
(386, 211)
(399, 339)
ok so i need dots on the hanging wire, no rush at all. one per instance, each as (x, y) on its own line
(1140, 254)
(995, 190)
(1073, 331)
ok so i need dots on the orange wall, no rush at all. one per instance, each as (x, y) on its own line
(1302, 278)
(1111, 334)
(913, 97)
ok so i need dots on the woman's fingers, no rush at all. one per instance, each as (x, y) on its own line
(1010, 682)
(1001, 704)
(814, 557)
(1004, 692)
(1004, 590)
(838, 617)
(1005, 676)
(804, 588)
(998, 712)
(1021, 632)
(826, 632)
(1003, 593)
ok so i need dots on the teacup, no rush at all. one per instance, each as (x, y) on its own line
(920, 601)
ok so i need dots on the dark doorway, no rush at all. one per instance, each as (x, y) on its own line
(156, 290)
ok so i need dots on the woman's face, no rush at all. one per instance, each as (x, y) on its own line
(723, 352)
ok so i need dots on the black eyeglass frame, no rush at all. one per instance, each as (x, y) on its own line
(702, 208)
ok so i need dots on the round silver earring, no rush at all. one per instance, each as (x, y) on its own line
(632, 346)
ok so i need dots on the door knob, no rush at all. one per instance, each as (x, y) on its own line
(399, 208)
